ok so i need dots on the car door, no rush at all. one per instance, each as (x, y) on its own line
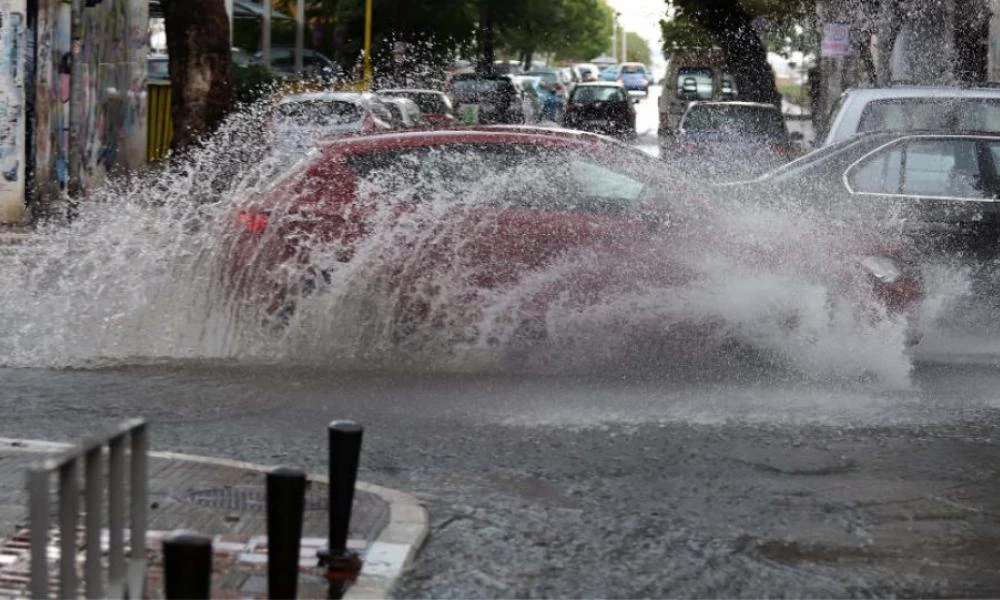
(941, 190)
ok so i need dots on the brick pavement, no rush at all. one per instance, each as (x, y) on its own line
(222, 500)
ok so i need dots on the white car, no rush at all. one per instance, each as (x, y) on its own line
(913, 108)
(300, 120)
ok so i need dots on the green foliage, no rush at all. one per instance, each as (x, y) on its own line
(638, 49)
(681, 33)
(251, 83)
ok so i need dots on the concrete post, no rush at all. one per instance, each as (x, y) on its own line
(300, 33)
(265, 33)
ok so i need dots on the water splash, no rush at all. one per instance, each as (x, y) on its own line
(142, 274)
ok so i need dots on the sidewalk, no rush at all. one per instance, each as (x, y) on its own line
(224, 499)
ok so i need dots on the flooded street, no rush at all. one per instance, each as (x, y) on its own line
(628, 485)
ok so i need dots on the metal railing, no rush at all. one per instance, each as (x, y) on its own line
(126, 578)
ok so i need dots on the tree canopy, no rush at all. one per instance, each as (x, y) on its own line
(637, 48)
(439, 29)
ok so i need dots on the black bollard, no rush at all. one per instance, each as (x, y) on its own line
(187, 565)
(286, 490)
(345, 452)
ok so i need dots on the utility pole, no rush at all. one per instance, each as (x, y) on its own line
(624, 45)
(300, 33)
(614, 36)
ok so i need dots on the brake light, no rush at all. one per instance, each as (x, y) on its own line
(254, 222)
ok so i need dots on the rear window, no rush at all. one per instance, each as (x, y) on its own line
(508, 175)
(546, 76)
(694, 83)
(467, 88)
(598, 94)
(953, 114)
(633, 70)
(318, 112)
(428, 103)
(734, 119)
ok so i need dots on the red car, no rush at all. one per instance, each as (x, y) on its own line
(494, 228)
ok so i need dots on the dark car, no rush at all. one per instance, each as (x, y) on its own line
(939, 190)
(601, 108)
(730, 139)
(486, 99)
(435, 106)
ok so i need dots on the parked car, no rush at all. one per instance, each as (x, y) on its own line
(635, 78)
(939, 189)
(531, 95)
(912, 108)
(158, 67)
(301, 120)
(405, 112)
(486, 99)
(730, 140)
(549, 194)
(610, 74)
(435, 106)
(588, 72)
(602, 108)
(692, 76)
(553, 76)
(507, 67)
(314, 64)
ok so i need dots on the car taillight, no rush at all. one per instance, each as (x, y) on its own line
(253, 221)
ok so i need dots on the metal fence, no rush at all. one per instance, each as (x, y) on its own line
(126, 577)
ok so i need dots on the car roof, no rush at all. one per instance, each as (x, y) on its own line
(922, 91)
(732, 103)
(497, 134)
(613, 84)
(354, 97)
(410, 91)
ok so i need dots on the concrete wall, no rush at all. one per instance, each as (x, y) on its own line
(15, 49)
(112, 115)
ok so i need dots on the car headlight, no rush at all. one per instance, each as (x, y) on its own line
(883, 268)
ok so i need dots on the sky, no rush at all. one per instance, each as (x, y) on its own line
(643, 17)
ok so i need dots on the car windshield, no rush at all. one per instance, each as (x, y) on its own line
(598, 94)
(318, 112)
(734, 119)
(633, 70)
(694, 83)
(948, 114)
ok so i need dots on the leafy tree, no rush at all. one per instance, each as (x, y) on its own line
(637, 49)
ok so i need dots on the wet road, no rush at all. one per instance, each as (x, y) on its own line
(629, 485)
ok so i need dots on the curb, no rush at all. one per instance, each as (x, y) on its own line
(386, 559)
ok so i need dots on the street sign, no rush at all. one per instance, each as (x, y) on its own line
(836, 40)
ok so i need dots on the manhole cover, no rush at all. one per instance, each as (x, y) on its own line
(250, 498)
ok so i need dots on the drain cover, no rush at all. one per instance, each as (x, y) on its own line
(249, 499)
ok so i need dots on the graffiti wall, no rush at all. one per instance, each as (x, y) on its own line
(112, 115)
(13, 64)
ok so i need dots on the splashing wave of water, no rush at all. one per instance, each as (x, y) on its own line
(140, 274)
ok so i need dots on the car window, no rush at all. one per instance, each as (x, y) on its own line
(734, 118)
(512, 175)
(633, 70)
(598, 94)
(942, 168)
(879, 174)
(694, 83)
(952, 114)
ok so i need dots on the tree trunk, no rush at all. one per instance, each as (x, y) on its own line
(200, 67)
(732, 28)
(487, 42)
